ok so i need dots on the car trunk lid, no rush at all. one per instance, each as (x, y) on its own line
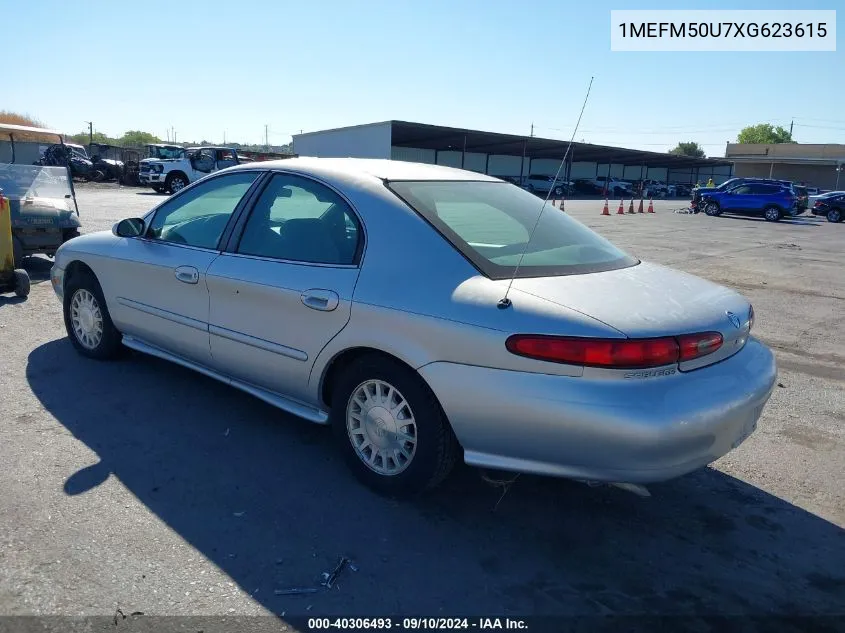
(649, 300)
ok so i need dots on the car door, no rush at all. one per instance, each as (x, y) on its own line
(226, 158)
(284, 290)
(158, 279)
(737, 200)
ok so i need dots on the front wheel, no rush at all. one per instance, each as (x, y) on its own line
(772, 214)
(712, 209)
(175, 182)
(834, 215)
(87, 320)
(390, 428)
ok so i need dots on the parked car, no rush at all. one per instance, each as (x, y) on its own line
(832, 207)
(279, 278)
(770, 200)
(821, 196)
(587, 186)
(184, 167)
(539, 183)
(732, 183)
(614, 186)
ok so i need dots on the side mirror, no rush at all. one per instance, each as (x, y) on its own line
(131, 227)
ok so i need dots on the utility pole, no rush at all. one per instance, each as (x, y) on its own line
(532, 130)
(266, 140)
(791, 123)
(224, 137)
(90, 133)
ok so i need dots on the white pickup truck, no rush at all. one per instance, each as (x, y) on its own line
(178, 167)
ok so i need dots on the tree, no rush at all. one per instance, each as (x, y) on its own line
(690, 148)
(15, 118)
(83, 139)
(764, 133)
(136, 138)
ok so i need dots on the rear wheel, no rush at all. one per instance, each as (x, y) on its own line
(87, 320)
(390, 427)
(772, 214)
(21, 283)
(834, 215)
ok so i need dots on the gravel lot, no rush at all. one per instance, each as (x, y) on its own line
(142, 486)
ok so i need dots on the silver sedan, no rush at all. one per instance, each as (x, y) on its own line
(416, 310)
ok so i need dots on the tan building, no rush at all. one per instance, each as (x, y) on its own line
(816, 165)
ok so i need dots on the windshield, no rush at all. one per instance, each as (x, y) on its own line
(490, 223)
(21, 181)
(78, 149)
(167, 152)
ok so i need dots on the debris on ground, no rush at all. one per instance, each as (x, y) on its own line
(781, 385)
(329, 579)
(296, 591)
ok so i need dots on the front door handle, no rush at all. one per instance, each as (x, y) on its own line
(318, 299)
(187, 274)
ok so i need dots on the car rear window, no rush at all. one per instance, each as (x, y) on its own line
(490, 224)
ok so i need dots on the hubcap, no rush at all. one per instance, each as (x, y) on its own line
(772, 214)
(381, 427)
(833, 216)
(86, 319)
(711, 209)
(177, 184)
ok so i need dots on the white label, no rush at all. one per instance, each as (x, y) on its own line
(723, 30)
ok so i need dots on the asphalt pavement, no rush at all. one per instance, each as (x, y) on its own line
(141, 486)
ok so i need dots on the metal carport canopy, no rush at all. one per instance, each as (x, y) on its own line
(435, 137)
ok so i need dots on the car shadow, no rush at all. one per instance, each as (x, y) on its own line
(150, 193)
(266, 499)
(808, 221)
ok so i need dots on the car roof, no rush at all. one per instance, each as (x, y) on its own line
(383, 169)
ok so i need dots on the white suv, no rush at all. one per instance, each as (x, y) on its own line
(173, 174)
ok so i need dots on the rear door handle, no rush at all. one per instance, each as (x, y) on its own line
(318, 299)
(187, 274)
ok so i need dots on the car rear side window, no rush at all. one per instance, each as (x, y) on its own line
(490, 224)
(198, 216)
(298, 219)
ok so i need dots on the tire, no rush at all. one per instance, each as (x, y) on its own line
(17, 252)
(712, 209)
(87, 288)
(834, 215)
(434, 449)
(175, 182)
(772, 214)
(22, 285)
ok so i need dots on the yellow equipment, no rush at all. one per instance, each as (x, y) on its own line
(10, 278)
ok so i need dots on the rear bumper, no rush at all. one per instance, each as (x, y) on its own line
(616, 430)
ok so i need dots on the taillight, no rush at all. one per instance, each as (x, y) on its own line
(697, 345)
(614, 353)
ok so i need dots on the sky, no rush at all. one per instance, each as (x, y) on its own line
(214, 68)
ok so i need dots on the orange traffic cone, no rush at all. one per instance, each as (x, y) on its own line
(640, 209)
(631, 206)
(650, 205)
(606, 210)
(621, 209)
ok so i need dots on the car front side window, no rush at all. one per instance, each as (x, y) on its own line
(199, 216)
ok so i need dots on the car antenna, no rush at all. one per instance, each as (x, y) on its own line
(504, 302)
